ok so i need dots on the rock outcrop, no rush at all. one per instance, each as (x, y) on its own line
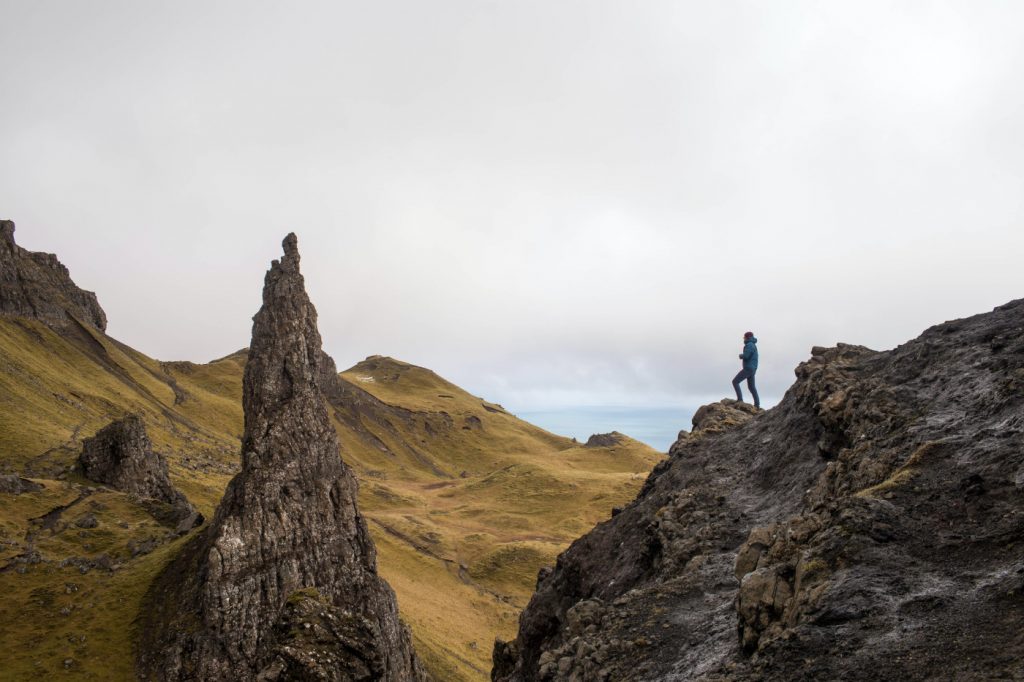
(720, 416)
(287, 543)
(121, 456)
(868, 527)
(16, 485)
(36, 285)
(602, 440)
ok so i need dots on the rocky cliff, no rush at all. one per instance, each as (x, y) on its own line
(287, 541)
(868, 527)
(36, 285)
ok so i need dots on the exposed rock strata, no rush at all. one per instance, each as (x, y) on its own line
(287, 528)
(36, 285)
(868, 527)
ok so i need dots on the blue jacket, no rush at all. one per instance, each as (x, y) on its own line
(750, 353)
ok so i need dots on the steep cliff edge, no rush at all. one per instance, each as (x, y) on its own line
(36, 285)
(287, 533)
(868, 527)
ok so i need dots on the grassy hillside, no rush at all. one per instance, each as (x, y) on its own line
(465, 501)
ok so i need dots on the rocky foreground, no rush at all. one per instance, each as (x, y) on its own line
(283, 583)
(871, 526)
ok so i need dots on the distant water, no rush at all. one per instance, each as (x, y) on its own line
(656, 426)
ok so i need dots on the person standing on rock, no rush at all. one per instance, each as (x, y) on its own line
(749, 358)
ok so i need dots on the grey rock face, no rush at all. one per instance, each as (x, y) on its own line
(868, 527)
(319, 641)
(38, 286)
(121, 456)
(288, 525)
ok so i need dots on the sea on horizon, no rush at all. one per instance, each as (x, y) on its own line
(657, 426)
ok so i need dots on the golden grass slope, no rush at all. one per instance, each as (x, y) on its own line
(465, 501)
(69, 603)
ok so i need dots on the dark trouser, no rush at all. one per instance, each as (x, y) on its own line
(747, 374)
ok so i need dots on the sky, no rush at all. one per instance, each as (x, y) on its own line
(554, 204)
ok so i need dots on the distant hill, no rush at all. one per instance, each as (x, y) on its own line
(465, 501)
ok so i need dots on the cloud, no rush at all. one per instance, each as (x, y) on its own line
(549, 203)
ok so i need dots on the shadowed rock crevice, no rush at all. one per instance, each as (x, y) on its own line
(287, 528)
(868, 527)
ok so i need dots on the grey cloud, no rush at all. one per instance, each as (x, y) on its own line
(549, 203)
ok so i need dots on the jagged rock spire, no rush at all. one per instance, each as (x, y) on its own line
(287, 530)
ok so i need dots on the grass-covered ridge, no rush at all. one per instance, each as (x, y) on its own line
(465, 501)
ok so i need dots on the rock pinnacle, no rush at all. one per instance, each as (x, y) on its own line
(287, 537)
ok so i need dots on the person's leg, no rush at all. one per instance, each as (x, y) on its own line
(736, 384)
(753, 389)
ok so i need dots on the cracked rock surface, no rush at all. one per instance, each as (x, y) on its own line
(287, 528)
(870, 526)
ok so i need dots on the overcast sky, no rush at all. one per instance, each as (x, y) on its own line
(549, 203)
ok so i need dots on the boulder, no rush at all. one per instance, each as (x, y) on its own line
(121, 456)
(603, 440)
